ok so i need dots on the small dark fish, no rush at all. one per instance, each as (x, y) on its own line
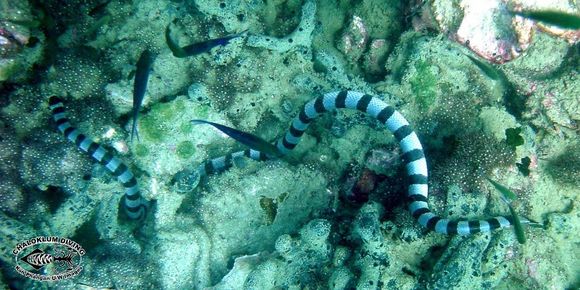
(487, 68)
(196, 48)
(252, 141)
(514, 100)
(140, 86)
(551, 17)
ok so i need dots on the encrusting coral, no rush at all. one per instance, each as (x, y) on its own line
(332, 213)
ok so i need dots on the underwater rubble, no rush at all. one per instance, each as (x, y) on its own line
(490, 94)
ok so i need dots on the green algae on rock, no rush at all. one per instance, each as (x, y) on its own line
(256, 85)
(185, 149)
(565, 168)
(424, 84)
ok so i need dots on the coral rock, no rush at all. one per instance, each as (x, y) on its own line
(354, 39)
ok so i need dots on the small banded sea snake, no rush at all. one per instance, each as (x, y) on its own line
(134, 204)
(413, 157)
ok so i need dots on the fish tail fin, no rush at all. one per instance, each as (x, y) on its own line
(172, 44)
(241, 33)
(198, 121)
(504, 199)
(135, 132)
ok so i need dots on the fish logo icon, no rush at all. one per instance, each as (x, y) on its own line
(38, 259)
(48, 258)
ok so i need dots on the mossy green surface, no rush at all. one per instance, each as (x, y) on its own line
(203, 112)
(150, 128)
(565, 168)
(164, 111)
(162, 116)
(186, 128)
(424, 85)
(141, 150)
(185, 149)
(236, 222)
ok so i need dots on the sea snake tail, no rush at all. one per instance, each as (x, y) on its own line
(134, 204)
(413, 157)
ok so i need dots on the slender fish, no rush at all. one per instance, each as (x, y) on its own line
(558, 18)
(518, 228)
(492, 72)
(196, 48)
(507, 196)
(252, 141)
(140, 86)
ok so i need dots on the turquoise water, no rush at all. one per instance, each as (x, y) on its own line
(485, 96)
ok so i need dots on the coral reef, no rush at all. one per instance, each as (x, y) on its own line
(565, 167)
(301, 257)
(289, 223)
(302, 36)
(228, 236)
(491, 29)
(47, 161)
(20, 41)
(12, 198)
(460, 265)
(476, 156)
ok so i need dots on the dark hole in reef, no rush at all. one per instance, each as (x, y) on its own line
(408, 271)
(451, 142)
(222, 5)
(241, 17)
(87, 235)
(32, 41)
(54, 198)
(429, 260)
(524, 166)
(515, 102)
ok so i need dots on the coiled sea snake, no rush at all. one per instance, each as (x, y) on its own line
(413, 157)
(134, 204)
